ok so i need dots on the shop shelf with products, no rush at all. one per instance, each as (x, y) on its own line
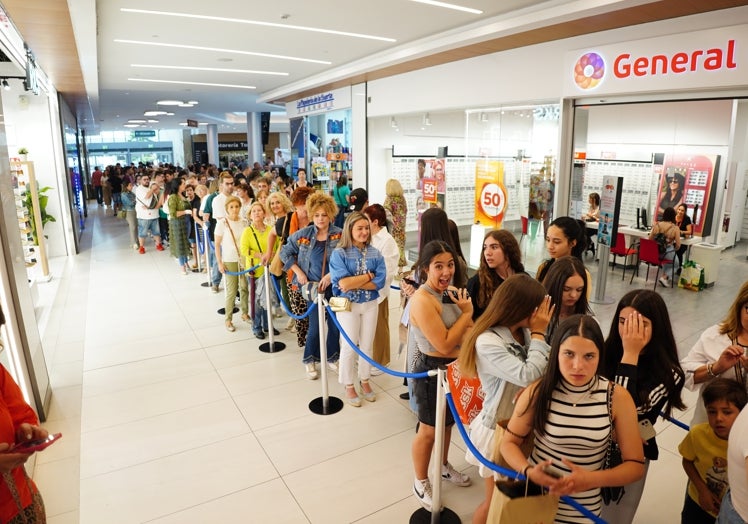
(30, 222)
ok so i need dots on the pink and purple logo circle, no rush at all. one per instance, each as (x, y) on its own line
(589, 71)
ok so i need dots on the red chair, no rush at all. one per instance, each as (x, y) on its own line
(622, 251)
(525, 223)
(649, 253)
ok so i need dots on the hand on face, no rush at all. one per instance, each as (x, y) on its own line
(635, 330)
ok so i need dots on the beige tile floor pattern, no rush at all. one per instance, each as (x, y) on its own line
(168, 418)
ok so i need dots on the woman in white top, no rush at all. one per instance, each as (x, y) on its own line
(386, 244)
(228, 234)
(720, 351)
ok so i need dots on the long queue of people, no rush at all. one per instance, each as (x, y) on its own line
(534, 344)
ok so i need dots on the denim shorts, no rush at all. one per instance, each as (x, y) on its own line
(424, 389)
(148, 224)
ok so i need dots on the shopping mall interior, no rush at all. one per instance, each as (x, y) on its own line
(506, 115)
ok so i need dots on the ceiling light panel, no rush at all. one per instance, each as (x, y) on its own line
(448, 5)
(181, 82)
(261, 23)
(220, 50)
(212, 69)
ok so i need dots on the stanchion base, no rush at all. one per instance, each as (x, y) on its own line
(265, 347)
(205, 284)
(222, 310)
(334, 404)
(605, 300)
(447, 516)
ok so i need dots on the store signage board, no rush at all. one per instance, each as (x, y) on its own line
(191, 123)
(320, 103)
(695, 60)
(610, 206)
(144, 133)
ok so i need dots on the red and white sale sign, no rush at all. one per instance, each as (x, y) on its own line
(429, 190)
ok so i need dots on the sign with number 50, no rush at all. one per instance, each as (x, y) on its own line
(490, 194)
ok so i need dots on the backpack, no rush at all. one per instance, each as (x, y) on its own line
(661, 240)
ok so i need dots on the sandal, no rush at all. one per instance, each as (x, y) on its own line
(354, 401)
(245, 318)
(230, 327)
(369, 396)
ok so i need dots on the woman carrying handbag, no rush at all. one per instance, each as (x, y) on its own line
(227, 257)
(358, 273)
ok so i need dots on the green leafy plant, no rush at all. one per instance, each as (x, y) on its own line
(23, 151)
(46, 217)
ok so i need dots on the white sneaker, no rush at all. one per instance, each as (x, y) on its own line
(422, 491)
(455, 477)
(332, 366)
(311, 371)
(665, 281)
(291, 325)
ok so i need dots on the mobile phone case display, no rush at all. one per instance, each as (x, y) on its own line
(26, 195)
(637, 184)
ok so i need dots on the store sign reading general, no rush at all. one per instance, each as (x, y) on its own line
(701, 59)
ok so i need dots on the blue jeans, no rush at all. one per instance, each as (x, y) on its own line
(311, 348)
(260, 321)
(727, 513)
(215, 274)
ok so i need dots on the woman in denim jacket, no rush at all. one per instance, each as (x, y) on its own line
(307, 254)
(358, 273)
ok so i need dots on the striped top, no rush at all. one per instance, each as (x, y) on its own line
(577, 429)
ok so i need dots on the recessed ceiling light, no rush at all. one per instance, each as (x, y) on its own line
(185, 104)
(182, 123)
(264, 24)
(168, 102)
(219, 50)
(155, 112)
(136, 121)
(193, 102)
(152, 121)
(131, 125)
(189, 83)
(450, 6)
(215, 69)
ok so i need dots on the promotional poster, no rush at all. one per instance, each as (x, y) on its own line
(490, 193)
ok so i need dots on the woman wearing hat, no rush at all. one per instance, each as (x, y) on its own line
(672, 193)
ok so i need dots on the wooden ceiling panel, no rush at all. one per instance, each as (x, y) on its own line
(48, 31)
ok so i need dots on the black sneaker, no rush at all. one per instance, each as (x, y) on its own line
(259, 334)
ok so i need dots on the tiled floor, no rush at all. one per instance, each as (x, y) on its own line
(169, 418)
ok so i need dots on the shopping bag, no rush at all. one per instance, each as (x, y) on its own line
(691, 276)
(466, 392)
(526, 446)
(521, 502)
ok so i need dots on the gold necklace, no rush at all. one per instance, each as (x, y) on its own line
(580, 396)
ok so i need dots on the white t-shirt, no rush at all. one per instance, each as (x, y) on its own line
(386, 245)
(219, 208)
(228, 249)
(737, 452)
(141, 211)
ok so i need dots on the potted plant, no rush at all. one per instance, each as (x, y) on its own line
(43, 199)
(23, 153)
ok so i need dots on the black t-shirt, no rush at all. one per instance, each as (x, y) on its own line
(116, 183)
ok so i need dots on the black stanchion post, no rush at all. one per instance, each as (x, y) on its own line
(324, 405)
(446, 515)
(271, 346)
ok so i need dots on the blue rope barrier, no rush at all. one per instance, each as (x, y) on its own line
(240, 273)
(676, 422)
(506, 472)
(308, 312)
(377, 365)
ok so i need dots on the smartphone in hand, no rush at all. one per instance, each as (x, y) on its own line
(446, 296)
(32, 446)
(411, 282)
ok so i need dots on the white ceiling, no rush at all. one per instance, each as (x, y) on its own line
(116, 44)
